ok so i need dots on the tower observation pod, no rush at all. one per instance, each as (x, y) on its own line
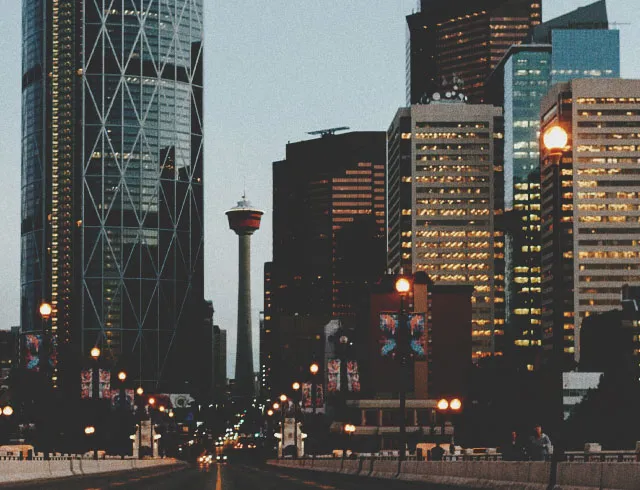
(244, 219)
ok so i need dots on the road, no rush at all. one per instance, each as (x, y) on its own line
(233, 476)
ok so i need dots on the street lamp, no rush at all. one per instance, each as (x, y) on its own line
(7, 411)
(283, 398)
(45, 310)
(95, 353)
(90, 432)
(122, 376)
(443, 404)
(314, 369)
(556, 141)
(296, 387)
(455, 404)
(276, 406)
(403, 287)
(270, 412)
(349, 429)
(140, 391)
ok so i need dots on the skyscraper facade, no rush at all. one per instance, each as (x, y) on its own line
(442, 171)
(112, 156)
(519, 83)
(466, 38)
(329, 218)
(589, 205)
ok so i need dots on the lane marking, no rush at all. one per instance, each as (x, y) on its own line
(219, 478)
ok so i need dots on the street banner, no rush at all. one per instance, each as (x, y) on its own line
(353, 376)
(418, 336)
(333, 375)
(104, 386)
(389, 329)
(86, 383)
(32, 344)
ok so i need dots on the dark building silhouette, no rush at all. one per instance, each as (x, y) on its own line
(328, 234)
(609, 341)
(112, 213)
(445, 368)
(466, 38)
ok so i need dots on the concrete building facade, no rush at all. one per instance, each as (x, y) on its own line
(589, 204)
(441, 200)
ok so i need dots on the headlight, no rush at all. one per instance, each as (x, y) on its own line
(224, 457)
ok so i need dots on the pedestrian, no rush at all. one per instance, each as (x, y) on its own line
(514, 450)
(539, 445)
(437, 453)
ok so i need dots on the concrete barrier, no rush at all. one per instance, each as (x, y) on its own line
(15, 471)
(384, 469)
(351, 467)
(623, 476)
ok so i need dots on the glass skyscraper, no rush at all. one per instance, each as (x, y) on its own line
(576, 45)
(112, 157)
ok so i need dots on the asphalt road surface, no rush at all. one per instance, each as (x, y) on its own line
(234, 476)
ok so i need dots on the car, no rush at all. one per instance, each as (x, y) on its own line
(221, 458)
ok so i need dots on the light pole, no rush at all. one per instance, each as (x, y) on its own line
(403, 286)
(90, 433)
(45, 313)
(349, 429)
(313, 369)
(555, 141)
(95, 373)
(296, 388)
(283, 400)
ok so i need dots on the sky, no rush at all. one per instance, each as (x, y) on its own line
(274, 70)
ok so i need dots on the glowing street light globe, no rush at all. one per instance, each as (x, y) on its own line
(283, 398)
(314, 368)
(45, 310)
(140, 391)
(455, 404)
(403, 285)
(95, 352)
(555, 138)
(122, 375)
(89, 430)
(8, 411)
(296, 386)
(276, 406)
(443, 404)
(269, 412)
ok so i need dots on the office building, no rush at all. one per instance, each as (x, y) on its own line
(219, 362)
(576, 45)
(328, 233)
(466, 38)
(444, 161)
(589, 205)
(112, 156)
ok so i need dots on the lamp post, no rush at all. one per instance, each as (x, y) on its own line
(283, 400)
(95, 373)
(90, 433)
(313, 369)
(45, 313)
(555, 141)
(349, 429)
(296, 389)
(403, 286)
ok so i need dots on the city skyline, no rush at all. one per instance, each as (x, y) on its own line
(364, 98)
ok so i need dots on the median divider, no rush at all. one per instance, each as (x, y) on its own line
(18, 471)
(384, 469)
(351, 466)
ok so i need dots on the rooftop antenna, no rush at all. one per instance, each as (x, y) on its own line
(244, 187)
(328, 132)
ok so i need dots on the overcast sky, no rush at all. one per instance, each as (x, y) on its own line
(274, 69)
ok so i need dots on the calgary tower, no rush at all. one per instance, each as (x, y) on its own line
(244, 220)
